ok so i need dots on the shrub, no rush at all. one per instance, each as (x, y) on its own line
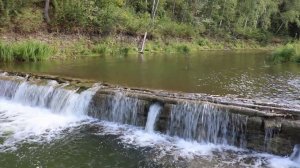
(183, 48)
(169, 28)
(29, 20)
(289, 52)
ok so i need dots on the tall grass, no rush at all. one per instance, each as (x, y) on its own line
(287, 53)
(113, 47)
(29, 51)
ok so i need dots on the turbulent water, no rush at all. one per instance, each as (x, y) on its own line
(47, 125)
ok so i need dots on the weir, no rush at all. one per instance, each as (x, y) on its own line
(259, 126)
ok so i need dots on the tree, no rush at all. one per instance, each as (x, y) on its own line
(46, 11)
(153, 14)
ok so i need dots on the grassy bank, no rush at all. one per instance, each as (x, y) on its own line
(37, 47)
(288, 53)
(28, 50)
(113, 46)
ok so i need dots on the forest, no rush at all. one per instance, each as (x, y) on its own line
(254, 19)
(168, 25)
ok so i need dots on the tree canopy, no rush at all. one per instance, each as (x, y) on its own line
(256, 19)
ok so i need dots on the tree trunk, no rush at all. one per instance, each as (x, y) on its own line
(153, 13)
(279, 27)
(143, 44)
(174, 4)
(46, 11)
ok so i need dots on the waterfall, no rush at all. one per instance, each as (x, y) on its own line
(152, 117)
(52, 96)
(39, 111)
(296, 154)
(8, 88)
(117, 108)
(207, 123)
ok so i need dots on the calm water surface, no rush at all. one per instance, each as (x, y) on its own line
(246, 74)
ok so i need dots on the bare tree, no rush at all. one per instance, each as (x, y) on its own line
(46, 11)
(153, 14)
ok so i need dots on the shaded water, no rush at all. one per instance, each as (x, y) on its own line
(244, 74)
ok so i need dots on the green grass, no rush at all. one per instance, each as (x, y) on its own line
(29, 51)
(288, 53)
(34, 50)
(113, 47)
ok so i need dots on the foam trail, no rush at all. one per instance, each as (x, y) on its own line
(152, 117)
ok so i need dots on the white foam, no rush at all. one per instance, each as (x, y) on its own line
(274, 161)
(140, 138)
(282, 162)
(24, 123)
(179, 148)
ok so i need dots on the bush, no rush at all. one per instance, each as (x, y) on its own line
(29, 20)
(202, 42)
(183, 48)
(289, 52)
(74, 15)
(169, 28)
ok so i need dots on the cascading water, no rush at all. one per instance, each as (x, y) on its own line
(207, 123)
(117, 108)
(296, 154)
(51, 96)
(30, 110)
(54, 98)
(152, 117)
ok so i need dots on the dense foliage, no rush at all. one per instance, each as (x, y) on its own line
(254, 19)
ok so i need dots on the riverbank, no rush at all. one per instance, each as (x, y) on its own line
(64, 46)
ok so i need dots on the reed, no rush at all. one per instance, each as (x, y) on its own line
(29, 51)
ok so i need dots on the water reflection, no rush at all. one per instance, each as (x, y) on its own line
(244, 74)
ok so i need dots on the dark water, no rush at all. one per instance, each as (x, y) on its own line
(246, 74)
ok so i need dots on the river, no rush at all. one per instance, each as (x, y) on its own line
(47, 126)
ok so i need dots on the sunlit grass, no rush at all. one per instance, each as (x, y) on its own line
(31, 51)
